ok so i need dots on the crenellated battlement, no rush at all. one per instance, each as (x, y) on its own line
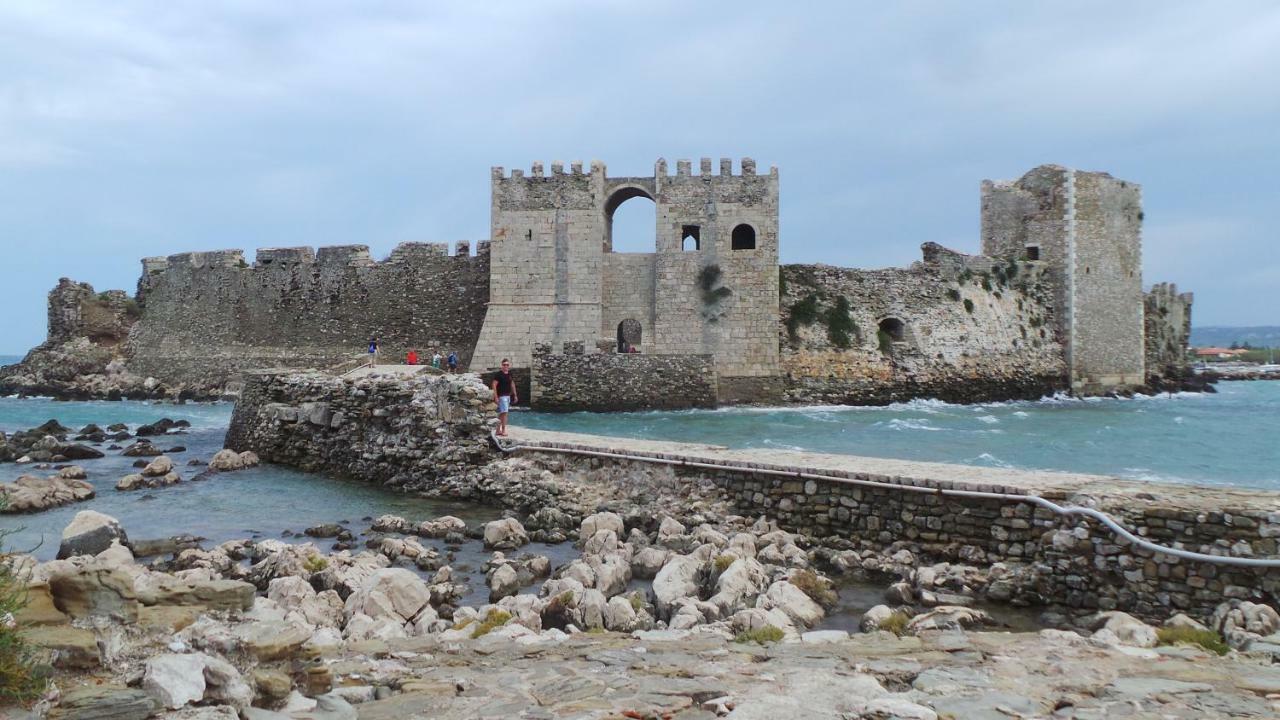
(596, 168)
(333, 256)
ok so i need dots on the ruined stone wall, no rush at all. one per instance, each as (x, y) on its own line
(208, 316)
(1167, 319)
(397, 432)
(76, 311)
(971, 330)
(607, 381)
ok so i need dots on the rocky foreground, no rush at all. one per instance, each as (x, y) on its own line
(653, 620)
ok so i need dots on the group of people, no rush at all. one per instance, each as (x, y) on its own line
(411, 358)
(436, 359)
(502, 384)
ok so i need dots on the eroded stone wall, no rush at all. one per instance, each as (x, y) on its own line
(396, 432)
(1168, 333)
(603, 381)
(955, 327)
(209, 316)
(1070, 562)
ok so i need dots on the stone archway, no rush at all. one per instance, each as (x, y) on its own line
(630, 334)
(620, 196)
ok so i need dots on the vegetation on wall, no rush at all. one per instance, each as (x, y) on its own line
(802, 313)
(841, 328)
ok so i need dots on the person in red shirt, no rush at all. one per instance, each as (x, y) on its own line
(412, 359)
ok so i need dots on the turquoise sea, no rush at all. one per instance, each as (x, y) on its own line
(1228, 438)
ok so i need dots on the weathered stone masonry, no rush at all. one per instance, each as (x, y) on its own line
(1054, 304)
(209, 316)
(404, 433)
(613, 381)
(1073, 563)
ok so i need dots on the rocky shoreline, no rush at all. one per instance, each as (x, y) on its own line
(655, 618)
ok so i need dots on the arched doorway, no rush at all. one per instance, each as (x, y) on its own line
(629, 335)
(891, 330)
(630, 226)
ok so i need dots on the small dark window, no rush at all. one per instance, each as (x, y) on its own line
(744, 237)
(690, 233)
(894, 328)
(528, 234)
(1033, 252)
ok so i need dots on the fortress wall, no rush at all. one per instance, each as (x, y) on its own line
(1167, 319)
(628, 294)
(1004, 347)
(609, 381)
(207, 316)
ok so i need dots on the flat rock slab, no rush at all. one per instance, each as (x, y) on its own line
(104, 702)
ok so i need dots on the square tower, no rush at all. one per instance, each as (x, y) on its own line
(1086, 227)
(709, 287)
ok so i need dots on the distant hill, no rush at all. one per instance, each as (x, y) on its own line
(1218, 336)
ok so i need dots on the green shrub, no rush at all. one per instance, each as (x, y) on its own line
(885, 341)
(803, 312)
(953, 294)
(766, 634)
(840, 327)
(315, 563)
(22, 679)
(1207, 639)
(896, 623)
(986, 282)
(723, 562)
(965, 276)
(495, 618)
(1012, 270)
(637, 602)
(968, 305)
(818, 589)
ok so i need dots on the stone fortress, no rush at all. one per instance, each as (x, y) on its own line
(1055, 303)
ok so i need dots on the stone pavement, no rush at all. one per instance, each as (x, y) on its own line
(403, 371)
(930, 474)
(665, 674)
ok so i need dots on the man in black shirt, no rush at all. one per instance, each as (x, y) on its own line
(504, 393)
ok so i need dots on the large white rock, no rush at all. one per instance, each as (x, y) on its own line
(226, 460)
(593, 524)
(395, 594)
(739, 585)
(603, 541)
(619, 614)
(612, 576)
(647, 561)
(504, 534)
(791, 600)
(159, 467)
(947, 617)
(503, 581)
(677, 579)
(175, 680)
(89, 533)
(1124, 629)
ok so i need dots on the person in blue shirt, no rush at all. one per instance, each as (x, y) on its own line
(453, 361)
(373, 351)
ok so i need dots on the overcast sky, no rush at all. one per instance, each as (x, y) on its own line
(131, 129)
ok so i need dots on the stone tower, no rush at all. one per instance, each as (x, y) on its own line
(1087, 229)
(709, 287)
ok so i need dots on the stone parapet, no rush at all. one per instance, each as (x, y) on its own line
(1074, 563)
(621, 381)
